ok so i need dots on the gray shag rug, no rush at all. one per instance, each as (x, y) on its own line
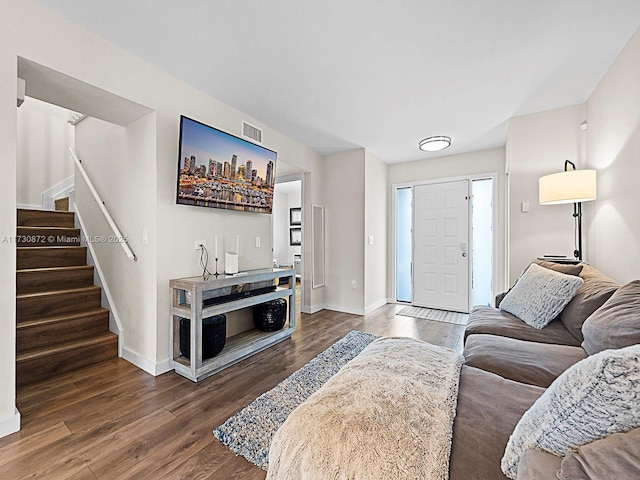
(249, 432)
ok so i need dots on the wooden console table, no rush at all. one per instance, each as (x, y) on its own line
(188, 295)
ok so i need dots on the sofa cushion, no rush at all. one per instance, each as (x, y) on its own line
(616, 324)
(540, 295)
(538, 465)
(592, 399)
(527, 362)
(488, 409)
(596, 290)
(566, 268)
(615, 456)
(494, 321)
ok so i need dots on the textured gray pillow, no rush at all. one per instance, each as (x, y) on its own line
(540, 295)
(596, 397)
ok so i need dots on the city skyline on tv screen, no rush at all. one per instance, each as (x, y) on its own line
(219, 170)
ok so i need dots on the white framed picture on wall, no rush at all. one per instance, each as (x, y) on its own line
(295, 236)
(295, 216)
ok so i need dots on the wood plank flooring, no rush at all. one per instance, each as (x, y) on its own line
(114, 421)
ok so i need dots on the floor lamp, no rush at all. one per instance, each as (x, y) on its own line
(571, 186)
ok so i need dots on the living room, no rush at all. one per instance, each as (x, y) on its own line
(600, 131)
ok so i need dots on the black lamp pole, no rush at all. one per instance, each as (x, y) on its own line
(577, 215)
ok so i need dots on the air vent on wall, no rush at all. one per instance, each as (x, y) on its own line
(249, 131)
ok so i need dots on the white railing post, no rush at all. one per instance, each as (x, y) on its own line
(114, 228)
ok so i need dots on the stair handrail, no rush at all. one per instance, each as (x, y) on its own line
(122, 240)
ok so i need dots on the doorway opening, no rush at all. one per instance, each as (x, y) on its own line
(288, 231)
(472, 252)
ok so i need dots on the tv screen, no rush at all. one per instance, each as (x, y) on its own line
(219, 170)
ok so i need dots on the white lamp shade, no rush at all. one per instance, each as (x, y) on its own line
(567, 187)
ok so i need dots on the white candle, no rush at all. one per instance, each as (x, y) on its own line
(238, 244)
(216, 244)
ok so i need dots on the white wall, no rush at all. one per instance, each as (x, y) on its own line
(9, 417)
(454, 166)
(121, 163)
(44, 138)
(613, 149)
(313, 191)
(376, 195)
(538, 145)
(75, 52)
(344, 176)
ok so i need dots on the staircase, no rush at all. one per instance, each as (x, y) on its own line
(59, 321)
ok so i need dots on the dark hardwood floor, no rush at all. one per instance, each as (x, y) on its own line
(114, 421)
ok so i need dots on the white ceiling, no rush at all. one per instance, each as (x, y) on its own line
(379, 74)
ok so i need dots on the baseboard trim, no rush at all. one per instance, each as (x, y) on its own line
(10, 424)
(100, 278)
(145, 364)
(28, 207)
(343, 309)
(313, 309)
(374, 306)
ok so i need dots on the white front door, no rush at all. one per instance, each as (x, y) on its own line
(441, 241)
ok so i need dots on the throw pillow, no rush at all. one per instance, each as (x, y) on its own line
(616, 324)
(540, 295)
(569, 269)
(596, 397)
(596, 290)
(615, 456)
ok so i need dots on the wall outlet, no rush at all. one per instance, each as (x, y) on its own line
(353, 284)
(200, 243)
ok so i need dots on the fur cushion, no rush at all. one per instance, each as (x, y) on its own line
(596, 397)
(540, 295)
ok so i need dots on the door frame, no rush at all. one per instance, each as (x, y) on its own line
(495, 214)
(294, 178)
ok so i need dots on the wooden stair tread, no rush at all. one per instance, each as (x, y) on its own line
(55, 269)
(44, 218)
(105, 338)
(60, 318)
(58, 248)
(54, 228)
(52, 293)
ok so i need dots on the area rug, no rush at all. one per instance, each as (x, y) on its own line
(436, 315)
(249, 432)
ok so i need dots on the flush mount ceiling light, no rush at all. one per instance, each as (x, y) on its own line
(434, 144)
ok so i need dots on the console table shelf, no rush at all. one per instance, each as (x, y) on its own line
(240, 346)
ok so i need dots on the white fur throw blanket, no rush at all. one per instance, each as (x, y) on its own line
(387, 414)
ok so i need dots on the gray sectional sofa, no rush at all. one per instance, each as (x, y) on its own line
(509, 365)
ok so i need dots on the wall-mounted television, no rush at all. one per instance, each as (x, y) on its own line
(219, 170)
